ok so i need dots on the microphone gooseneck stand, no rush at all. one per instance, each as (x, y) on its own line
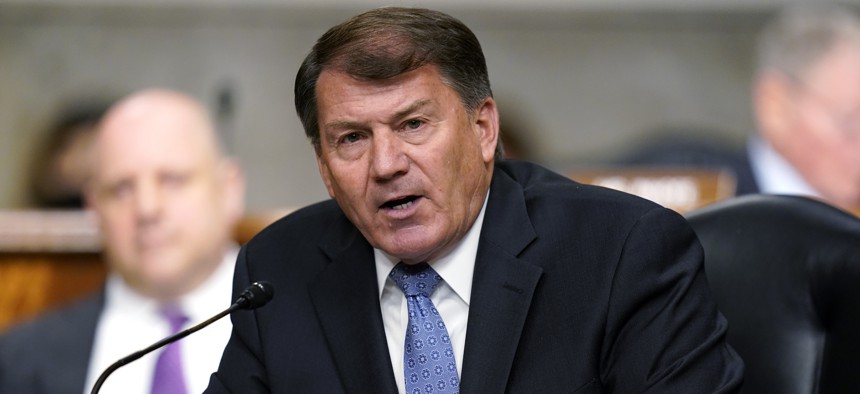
(255, 296)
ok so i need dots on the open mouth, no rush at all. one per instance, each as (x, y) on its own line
(400, 203)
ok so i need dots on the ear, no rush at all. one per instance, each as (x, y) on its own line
(772, 99)
(89, 195)
(486, 124)
(325, 174)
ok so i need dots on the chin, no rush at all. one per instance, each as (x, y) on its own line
(417, 249)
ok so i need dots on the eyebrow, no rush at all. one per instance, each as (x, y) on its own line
(410, 109)
(398, 115)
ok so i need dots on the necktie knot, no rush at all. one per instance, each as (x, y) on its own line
(414, 280)
(174, 317)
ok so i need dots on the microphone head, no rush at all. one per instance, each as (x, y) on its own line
(256, 295)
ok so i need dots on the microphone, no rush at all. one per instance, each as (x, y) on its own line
(255, 296)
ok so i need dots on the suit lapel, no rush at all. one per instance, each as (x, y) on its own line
(502, 289)
(346, 299)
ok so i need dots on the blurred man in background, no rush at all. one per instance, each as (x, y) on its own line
(806, 102)
(166, 198)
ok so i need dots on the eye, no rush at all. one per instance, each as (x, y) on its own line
(351, 138)
(173, 179)
(413, 124)
(119, 190)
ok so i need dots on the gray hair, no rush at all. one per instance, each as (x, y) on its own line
(796, 38)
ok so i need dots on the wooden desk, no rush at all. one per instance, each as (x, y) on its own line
(49, 258)
(682, 190)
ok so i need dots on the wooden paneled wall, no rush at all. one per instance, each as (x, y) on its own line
(49, 258)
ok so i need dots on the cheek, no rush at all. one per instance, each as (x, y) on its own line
(456, 155)
(119, 239)
(468, 160)
(117, 223)
(325, 174)
(205, 214)
(347, 183)
(851, 156)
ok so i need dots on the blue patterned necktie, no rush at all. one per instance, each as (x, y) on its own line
(429, 365)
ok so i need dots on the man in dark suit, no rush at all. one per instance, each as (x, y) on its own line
(437, 268)
(166, 197)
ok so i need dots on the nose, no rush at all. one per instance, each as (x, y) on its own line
(147, 201)
(388, 157)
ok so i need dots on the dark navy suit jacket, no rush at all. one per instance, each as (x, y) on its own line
(50, 355)
(576, 289)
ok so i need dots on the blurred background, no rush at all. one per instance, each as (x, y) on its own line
(579, 82)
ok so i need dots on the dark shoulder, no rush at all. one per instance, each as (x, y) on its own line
(304, 233)
(307, 223)
(546, 189)
(74, 322)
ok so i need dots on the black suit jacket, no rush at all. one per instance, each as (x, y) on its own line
(576, 289)
(50, 355)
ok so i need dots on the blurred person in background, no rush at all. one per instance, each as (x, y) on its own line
(166, 199)
(806, 102)
(806, 97)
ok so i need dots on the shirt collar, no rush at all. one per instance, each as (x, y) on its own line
(198, 305)
(456, 267)
(210, 297)
(773, 173)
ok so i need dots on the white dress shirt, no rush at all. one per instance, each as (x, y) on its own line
(130, 322)
(774, 174)
(451, 298)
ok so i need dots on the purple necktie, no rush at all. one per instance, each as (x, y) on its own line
(168, 378)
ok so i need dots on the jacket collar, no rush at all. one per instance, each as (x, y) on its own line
(502, 289)
(346, 299)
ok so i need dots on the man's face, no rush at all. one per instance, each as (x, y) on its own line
(404, 160)
(825, 123)
(164, 199)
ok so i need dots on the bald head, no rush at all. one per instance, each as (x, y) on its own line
(160, 111)
(165, 194)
